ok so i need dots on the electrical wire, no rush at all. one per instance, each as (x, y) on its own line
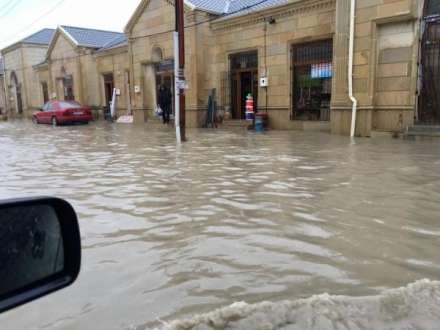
(150, 35)
(224, 15)
(10, 8)
(47, 13)
(6, 5)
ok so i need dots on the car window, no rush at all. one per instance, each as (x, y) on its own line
(69, 104)
(46, 106)
(50, 106)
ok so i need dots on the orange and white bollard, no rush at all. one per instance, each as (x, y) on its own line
(250, 115)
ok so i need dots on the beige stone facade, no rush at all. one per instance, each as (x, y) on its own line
(65, 59)
(385, 59)
(385, 72)
(23, 88)
(114, 62)
(2, 89)
(2, 94)
(230, 54)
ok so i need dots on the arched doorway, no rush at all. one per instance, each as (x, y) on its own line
(164, 72)
(16, 92)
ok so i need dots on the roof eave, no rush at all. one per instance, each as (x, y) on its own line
(11, 47)
(68, 35)
(104, 51)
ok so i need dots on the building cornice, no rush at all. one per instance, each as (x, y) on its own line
(112, 51)
(300, 7)
(11, 48)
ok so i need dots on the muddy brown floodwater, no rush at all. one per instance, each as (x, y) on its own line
(230, 216)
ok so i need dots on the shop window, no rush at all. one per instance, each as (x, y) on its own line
(432, 8)
(312, 72)
(244, 61)
(68, 88)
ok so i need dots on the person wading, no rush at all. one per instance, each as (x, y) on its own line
(165, 99)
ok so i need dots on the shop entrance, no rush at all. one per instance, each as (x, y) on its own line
(429, 101)
(165, 76)
(244, 81)
(108, 89)
(68, 88)
(312, 72)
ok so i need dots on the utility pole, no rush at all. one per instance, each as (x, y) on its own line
(179, 58)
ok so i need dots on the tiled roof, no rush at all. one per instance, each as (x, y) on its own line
(243, 6)
(215, 6)
(42, 37)
(234, 7)
(90, 37)
(118, 41)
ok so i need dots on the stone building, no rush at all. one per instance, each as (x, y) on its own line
(299, 47)
(385, 73)
(114, 71)
(73, 72)
(24, 91)
(2, 88)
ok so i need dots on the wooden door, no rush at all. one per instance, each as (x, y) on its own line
(108, 88)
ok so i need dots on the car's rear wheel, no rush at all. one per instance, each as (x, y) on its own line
(54, 121)
(35, 120)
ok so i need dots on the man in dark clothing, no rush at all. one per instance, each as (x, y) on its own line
(165, 99)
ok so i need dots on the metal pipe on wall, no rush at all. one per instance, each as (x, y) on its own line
(176, 87)
(350, 68)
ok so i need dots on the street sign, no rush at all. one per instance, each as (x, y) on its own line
(182, 84)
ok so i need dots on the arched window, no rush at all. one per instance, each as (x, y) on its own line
(156, 55)
(16, 88)
(14, 79)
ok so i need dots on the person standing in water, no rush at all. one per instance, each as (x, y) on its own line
(165, 99)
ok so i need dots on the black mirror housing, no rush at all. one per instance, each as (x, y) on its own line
(40, 249)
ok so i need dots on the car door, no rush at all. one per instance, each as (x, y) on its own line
(43, 113)
(49, 112)
(39, 115)
(52, 111)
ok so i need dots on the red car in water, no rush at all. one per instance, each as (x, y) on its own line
(62, 112)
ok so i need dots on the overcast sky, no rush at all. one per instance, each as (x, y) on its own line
(21, 18)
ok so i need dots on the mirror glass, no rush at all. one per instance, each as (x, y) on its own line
(31, 246)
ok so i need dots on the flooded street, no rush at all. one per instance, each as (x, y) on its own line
(228, 217)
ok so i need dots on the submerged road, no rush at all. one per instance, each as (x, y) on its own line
(230, 216)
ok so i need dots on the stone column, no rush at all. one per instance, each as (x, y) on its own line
(340, 55)
(341, 104)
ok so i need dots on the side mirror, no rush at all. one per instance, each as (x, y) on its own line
(40, 249)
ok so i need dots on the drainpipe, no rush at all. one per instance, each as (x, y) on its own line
(350, 68)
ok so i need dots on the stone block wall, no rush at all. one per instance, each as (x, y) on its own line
(150, 32)
(115, 61)
(13, 61)
(2, 94)
(296, 23)
(385, 65)
(64, 60)
(394, 98)
(33, 55)
(153, 30)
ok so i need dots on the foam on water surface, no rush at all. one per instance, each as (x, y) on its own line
(416, 306)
